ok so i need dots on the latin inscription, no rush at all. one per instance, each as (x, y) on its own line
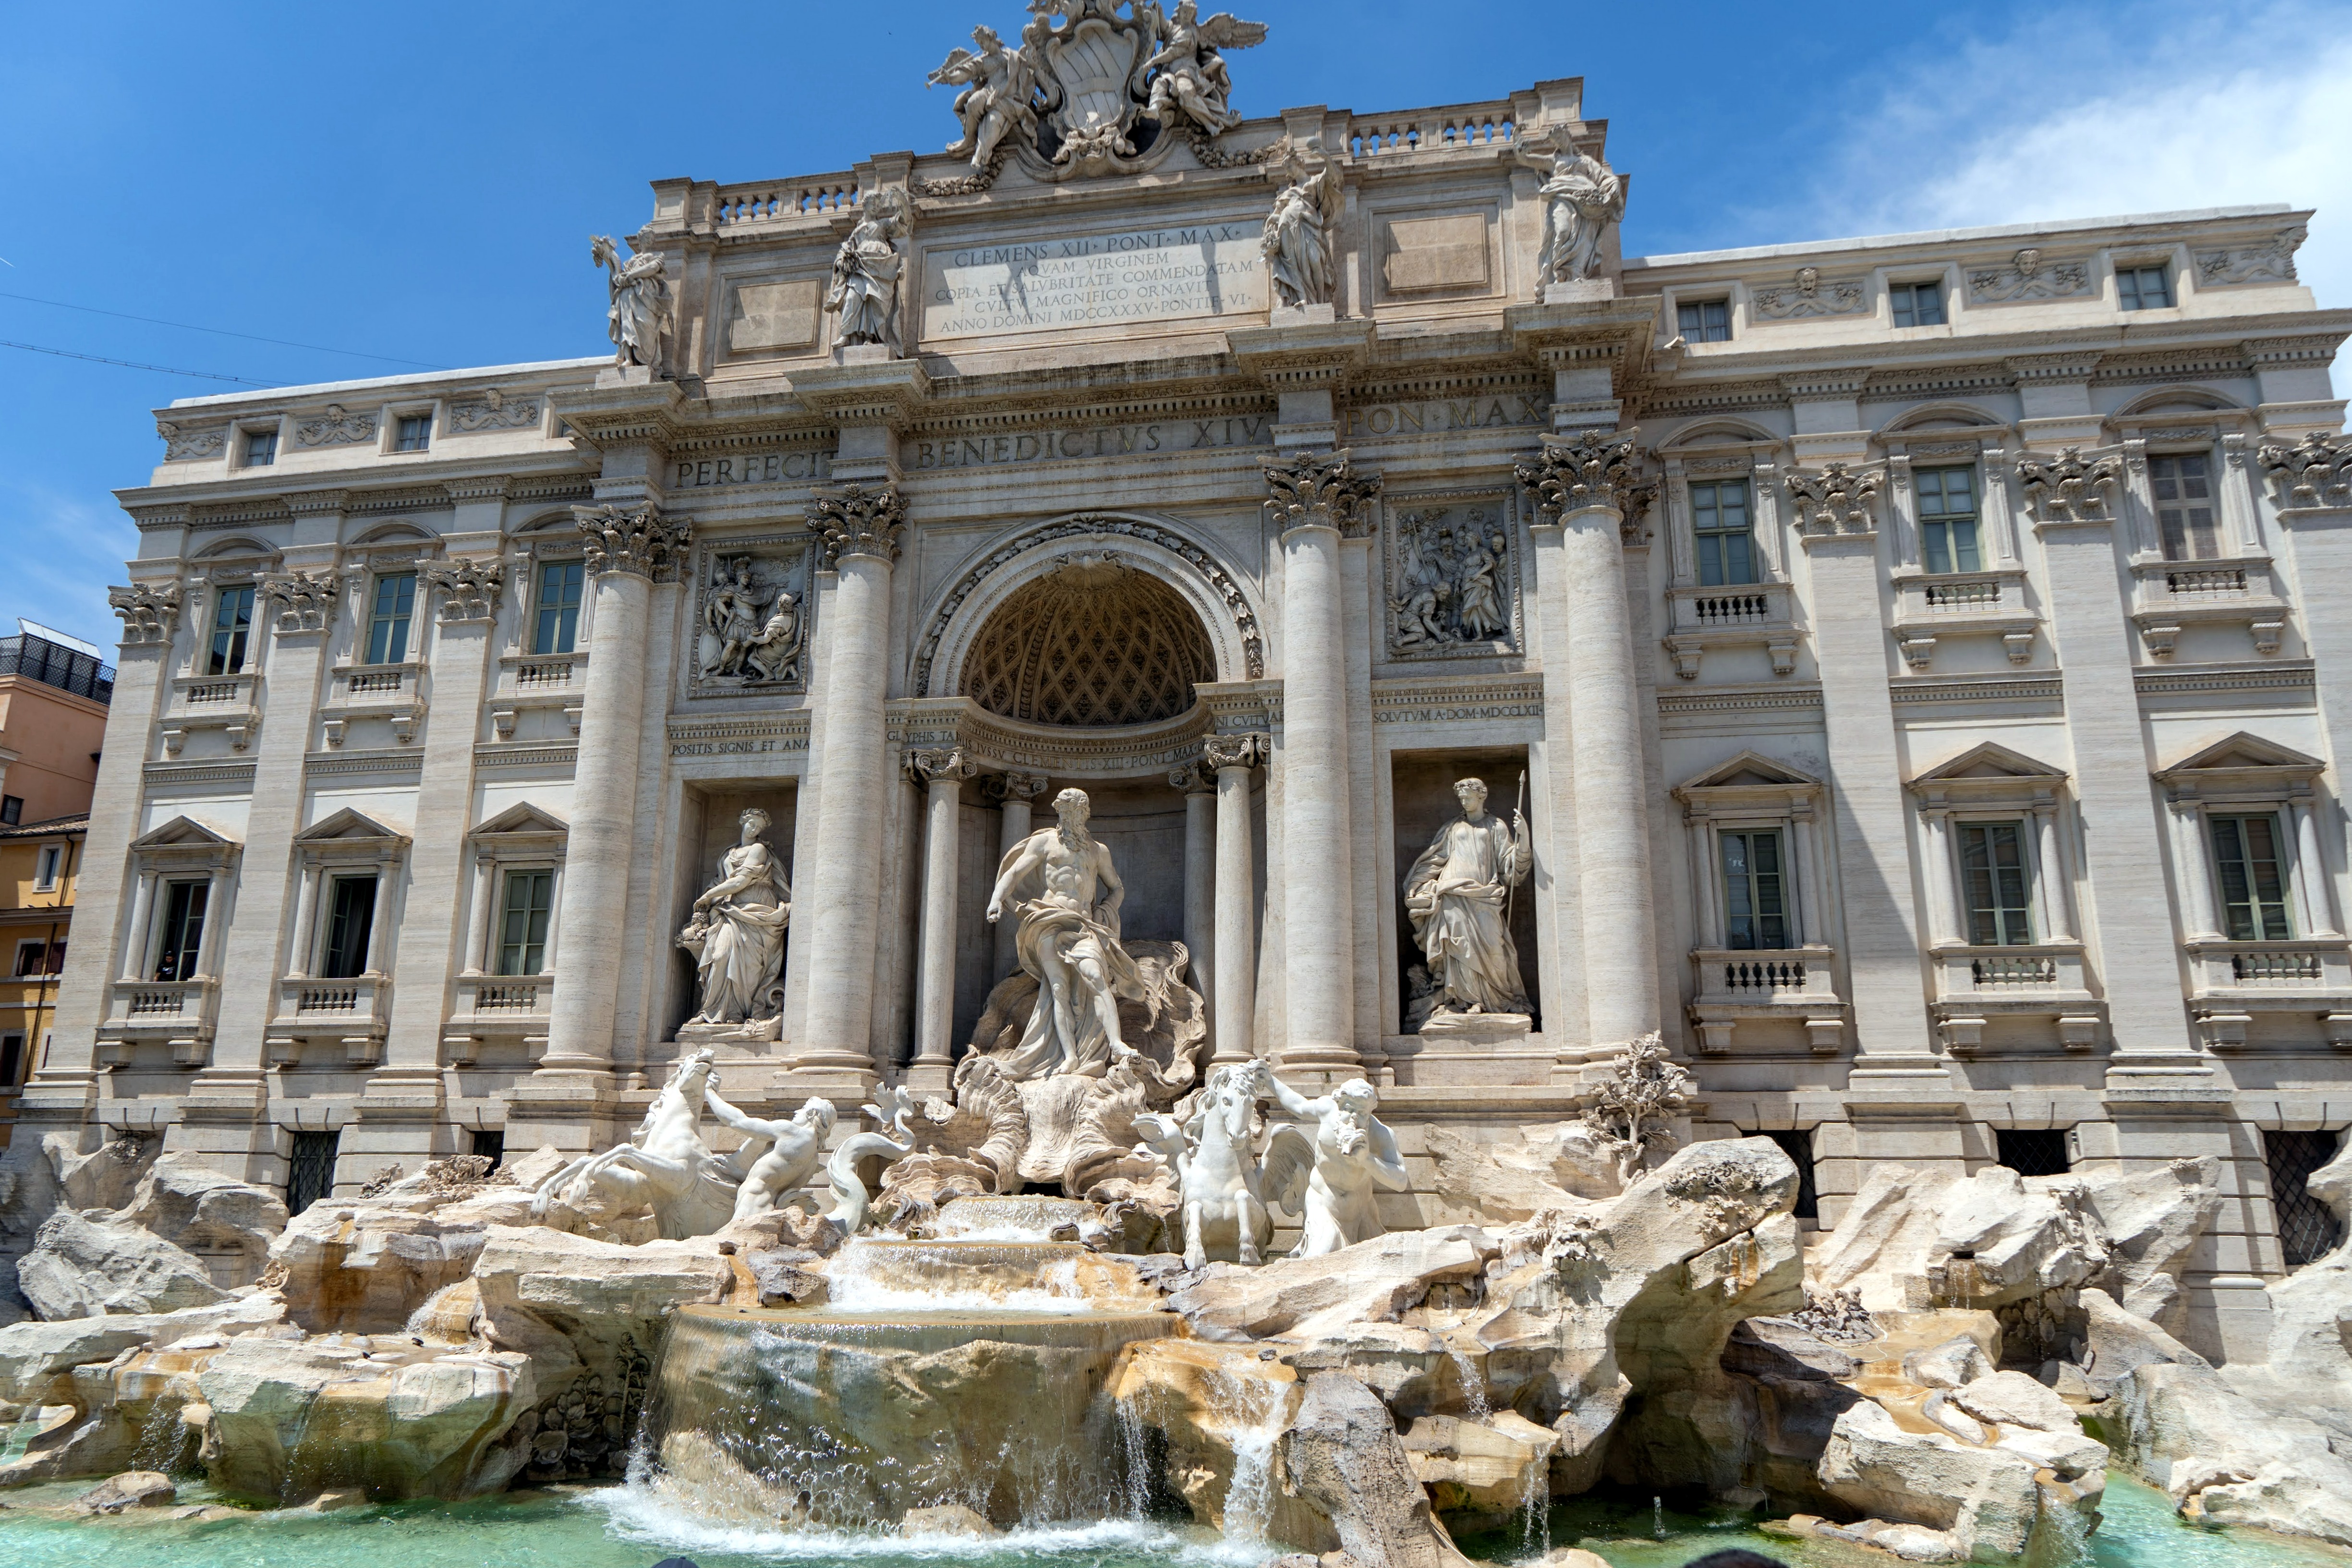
(751, 469)
(1089, 441)
(1096, 279)
(1451, 414)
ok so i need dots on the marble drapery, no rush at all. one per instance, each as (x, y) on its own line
(1457, 896)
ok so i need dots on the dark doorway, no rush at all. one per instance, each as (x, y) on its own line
(311, 1175)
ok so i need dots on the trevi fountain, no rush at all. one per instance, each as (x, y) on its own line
(1260, 1065)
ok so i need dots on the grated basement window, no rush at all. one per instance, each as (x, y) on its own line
(2306, 1230)
(490, 1143)
(2037, 1151)
(312, 1174)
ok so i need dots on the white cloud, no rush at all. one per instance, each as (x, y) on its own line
(2095, 113)
(65, 553)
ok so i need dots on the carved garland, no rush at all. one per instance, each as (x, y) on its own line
(1223, 585)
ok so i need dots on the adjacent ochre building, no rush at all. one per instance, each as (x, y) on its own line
(1918, 660)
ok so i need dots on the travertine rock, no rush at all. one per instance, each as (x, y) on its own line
(1490, 1467)
(188, 1203)
(2152, 1221)
(1221, 1409)
(1547, 1170)
(80, 1267)
(949, 1519)
(1300, 1298)
(1986, 1498)
(1343, 1457)
(132, 1489)
(34, 1357)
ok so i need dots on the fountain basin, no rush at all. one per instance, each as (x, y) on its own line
(844, 1420)
(898, 1278)
(1013, 1217)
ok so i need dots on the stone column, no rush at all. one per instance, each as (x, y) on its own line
(1316, 498)
(1016, 792)
(861, 527)
(2201, 915)
(626, 548)
(1199, 782)
(1583, 486)
(942, 773)
(477, 918)
(2313, 482)
(1936, 854)
(2050, 880)
(1233, 1023)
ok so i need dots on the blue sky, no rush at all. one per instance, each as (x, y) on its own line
(419, 182)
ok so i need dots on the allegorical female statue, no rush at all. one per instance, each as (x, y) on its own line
(736, 930)
(1457, 895)
(638, 318)
(1582, 196)
(1297, 240)
(865, 273)
(1062, 887)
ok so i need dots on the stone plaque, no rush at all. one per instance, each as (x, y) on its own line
(1424, 253)
(774, 315)
(1097, 279)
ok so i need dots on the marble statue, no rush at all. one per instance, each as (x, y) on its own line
(736, 929)
(1193, 79)
(997, 100)
(1451, 583)
(775, 1157)
(1059, 883)
(757, 636)
(1582, 197)
(1216, 1173)
(865, 274)
(664, 1165)
(1457, 895)
(639, 317)
(1331, 1177)
(1298, 241)
(894, 1108)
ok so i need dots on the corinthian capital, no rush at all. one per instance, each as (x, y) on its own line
(2315, 471)
(305, 600)
(630, 539)
(469, 589)
(1836, 499)
(854, 520)
(1594, 468)
(934, 765)
(148, 614)
(1221, 751)
(2069, 488)
(1312, 490)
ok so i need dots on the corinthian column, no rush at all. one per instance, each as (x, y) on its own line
(627, 547)
(1199, 782)
(1232, 1016)
(1014, 793)
(1583, 488)
(942, 772)
(1316, 498)
(860, 528)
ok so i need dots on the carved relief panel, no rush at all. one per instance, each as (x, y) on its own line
(750, 625)
(1453, 576)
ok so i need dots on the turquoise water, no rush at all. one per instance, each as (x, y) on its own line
(613, 1527)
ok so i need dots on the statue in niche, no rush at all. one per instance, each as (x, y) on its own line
(759, 636)
(638, 318)
(1582, 197)
(1061, 886)
(1194, 79)
(865, 273)
(1296, 241)
(1457, 895)
(1331, 1178)
(736, 930)
(998, 85)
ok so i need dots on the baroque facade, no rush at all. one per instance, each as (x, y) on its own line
(1898, 668)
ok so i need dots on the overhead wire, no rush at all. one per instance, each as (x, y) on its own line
(135, 365)
(220, 332)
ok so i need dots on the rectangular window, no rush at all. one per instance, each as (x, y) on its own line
(260, 448)
(2253, 878)
(1917, 304)
(2308, 1230)
(388, 617)
(2183, 486)
(310, 1174)
(12, 809)
(351, 912)
(413, 433)
(1995, 883)
(522, 932)
(1704, 320)
(1948, 519)
(184, 930)
(1726, 546)
(52, 860)
(1755, 898)
(490, 1143)
(28, 958)
(2142, 288)
(559, 606)
(2033, 1152)
(12, 1059)
(232, 626)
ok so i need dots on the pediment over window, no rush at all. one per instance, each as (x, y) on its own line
(523, 819)
(521, 832)
(351, 828)
(2243, 762)
(1746, 771)
(1989, 761)
(184, 833)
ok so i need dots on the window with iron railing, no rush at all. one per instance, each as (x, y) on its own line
(1755, 895)
(389, 616)
(2252, 878)
(183, 935)
(522, 932)
(232, 629)
(1724, 537)
(1948, 519)
(557, 625)
(2182, 485)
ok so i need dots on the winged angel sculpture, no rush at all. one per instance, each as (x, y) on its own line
(1083, 75)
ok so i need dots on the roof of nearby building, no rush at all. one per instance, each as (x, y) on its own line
(52, 828)
(225, 399)
(2046, 229)
(66, 668)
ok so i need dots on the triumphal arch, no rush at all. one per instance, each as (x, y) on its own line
(1157, 584)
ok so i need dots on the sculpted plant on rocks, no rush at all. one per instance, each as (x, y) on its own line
(1641, 1093)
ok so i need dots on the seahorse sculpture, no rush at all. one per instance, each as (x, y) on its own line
(894, 1106)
